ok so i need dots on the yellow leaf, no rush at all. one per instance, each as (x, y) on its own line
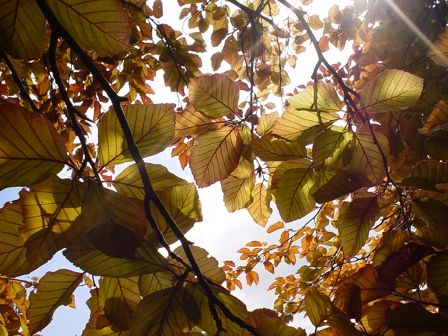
(437, 119)
(260, 209)
(269, 148)
(190, 122)
(276, 226)
(215, 155)
(214, 95)
(266, 123)
(318, 306)
(30, 148)
(291, 188)
(23, 35)
(53, 290)
(105, 20)
(152, 128)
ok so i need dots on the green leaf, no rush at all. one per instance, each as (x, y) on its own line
(292, 191)
(128, 182)
(237, 188)
(13, 260)
(269, 148)
(392, 90)
(152, 127)
(329, 148)
(214, 95)
(309, 109)
(207, 263)
(367, 156)
(182, 203)
(30, 148)
(318, 307)
(121, 297)
(23, 35)
(164, 312)
(206, 321)
(53, 290)
(215, 155)
(105, 20)
(260, 208)
(50, 212)
(438, 273)
(92, 260)
(154, 282)
(355, 220)
(342, 183)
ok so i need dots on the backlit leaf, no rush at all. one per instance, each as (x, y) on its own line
(438, 273)
(207, 263)
(374, 318)
(92, 260)
(164, 313)
(105, 20)
(191, 122)
(317, 306)
(121, 297)
(293, 190)
(329, 147)
(215, 155)
(367, 157)
(266, 122)
(30, 148)
(412, 316)
(392, 90)
(154, 282)
(53, 290)
(50, 213)
(23, 35)
(214, 95)
(13, 261)
(260, 208)
(152, 128)
(237, 188)
(269, 148)
(439, 51)
(437, 119)
(355, 220)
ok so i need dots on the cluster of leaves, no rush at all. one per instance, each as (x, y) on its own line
(361, 151)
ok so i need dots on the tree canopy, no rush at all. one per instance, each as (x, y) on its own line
(355, 160)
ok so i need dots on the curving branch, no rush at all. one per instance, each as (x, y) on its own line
(150, 195)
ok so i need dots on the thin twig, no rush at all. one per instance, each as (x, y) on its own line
(19, 83)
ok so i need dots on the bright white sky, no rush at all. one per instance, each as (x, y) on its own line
(221, 233)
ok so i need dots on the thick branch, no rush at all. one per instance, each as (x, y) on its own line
(150, 194)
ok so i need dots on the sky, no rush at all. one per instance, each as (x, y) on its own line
(221, 233)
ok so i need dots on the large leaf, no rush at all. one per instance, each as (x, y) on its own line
(206, 321)
(269, 148)
(392, 90)
(92, 260)
(237, 188)
(412, 317)
(53, 290)
(13, 260)
(266, 123)
(437, 120)
(438, 273)
(152, 127)
(215, 155)
(165, 312)
(23, 29)
(367, 156)
(190, 122)
(30, 147)
(313, 107)
(439, 51)
(182, 203)
(121, 297)
(214, 95)
(154, 282)
(293, 190)
(104, 20)
(329, 148)
(374, 318)
(318, 306)
(118, 223)
(207, 263)
(354, 222)
(130, 183)
(50, 211)
(260, 208)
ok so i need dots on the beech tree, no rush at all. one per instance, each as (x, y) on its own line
(360, 151)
